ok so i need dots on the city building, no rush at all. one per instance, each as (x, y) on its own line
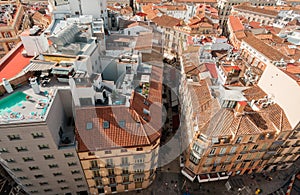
(235, 31)
(13, 21)
(98, 9)
(37, 128)
(225, 6)
(251, 13)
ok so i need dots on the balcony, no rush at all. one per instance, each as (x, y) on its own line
(67, 137)
(203, 178)
(188, 173)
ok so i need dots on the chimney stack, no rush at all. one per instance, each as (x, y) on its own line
(239, 108)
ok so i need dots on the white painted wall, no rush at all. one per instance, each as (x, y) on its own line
(284, 89)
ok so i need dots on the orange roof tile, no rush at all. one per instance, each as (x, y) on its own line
(265, 49)
(166, 21)
(256, 10)
(235, 23)
(13, 62)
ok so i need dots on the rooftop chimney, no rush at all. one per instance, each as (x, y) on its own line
(239, 108)
(7, 85)
(35, 86)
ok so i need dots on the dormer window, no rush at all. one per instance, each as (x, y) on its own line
(145, 111)
(122, 123)
(106, 124)
(89, 125)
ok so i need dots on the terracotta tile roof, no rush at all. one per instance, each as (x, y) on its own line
(214, 121)
(195, 1)
(235, 23)
(265, 49)
(148, 1)
(254, 24)
(166, 21)
(256, 10)
(212, 69)
(144, 41)
(151, 13)
(13, 63)
(240, 35)
(135, 133)
(171, 7)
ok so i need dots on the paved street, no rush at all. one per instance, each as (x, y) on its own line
(170, 181)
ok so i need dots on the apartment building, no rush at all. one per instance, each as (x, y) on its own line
(13, 21)
(119, 133)
(230, 132)
(251, 13)
(225, 6)
(98, 9)
(38, 144)
(235, 29)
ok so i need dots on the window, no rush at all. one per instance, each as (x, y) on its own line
(61, 181)
(3, 150)
(33, 191)
(139, 149)
(125, 170)
(126, 178)
(122, 123)
(250, 139)
(28, 185)
(255, 147)
(38, 176)
(89, 125)
(75, 172)
(44, 183)
(139, 170)
(96, 174)
(14, 137)
(107, 152)
(98, 182)
(43, 147)
(212, 152)
(94, 164)
(123, 150)
(64, 188)
(262, 137)
(51, 166)
(37, 135)
(233, 149)
(239, 139)
(109, 162)
(21, 149)
(47, 190)
(239, 157)
(57, 174)
(23, 178)
(124, 160)
(70, 154)
(27, 159)
(139, 160)
(193, 159)
(222, 150)
(33, 168)
(112, 180)
(49, 156)
(80, 186)
(72, 164)
(90, 154)
(78, 179)
(145, 111)
(105, 124)
(10, 160)
(17, 169)
(138, 179)
(111, 172)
